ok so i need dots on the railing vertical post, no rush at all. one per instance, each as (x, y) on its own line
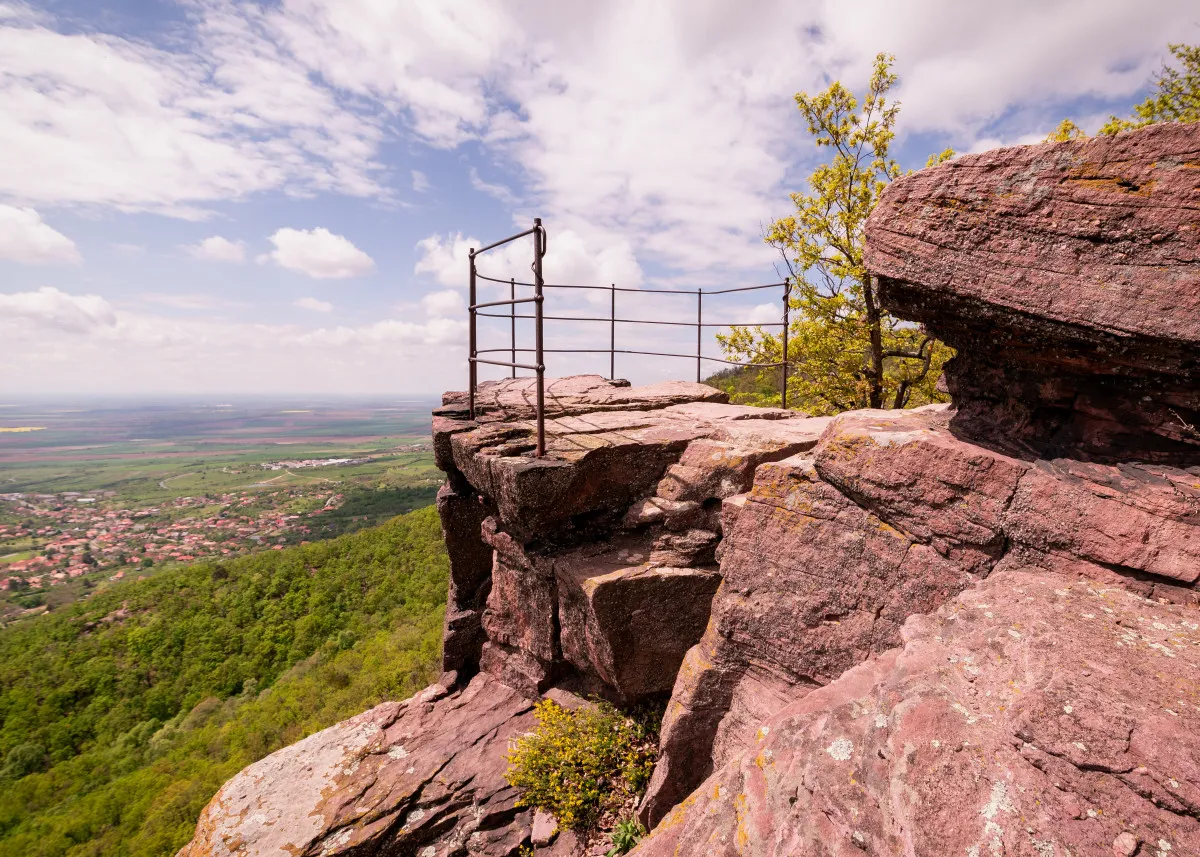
(472, 372)
(699, 328)
(787, 289)
(539, 250)
(512, 312)
(612, 334)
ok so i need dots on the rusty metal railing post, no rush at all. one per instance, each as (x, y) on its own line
(787, 305)
(472, 372)
(512, 313)
(699, 328)
(612, 333)
(539, 250)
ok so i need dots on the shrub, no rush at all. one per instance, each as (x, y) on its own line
(579, 764)
(625, 835)
(23, 760)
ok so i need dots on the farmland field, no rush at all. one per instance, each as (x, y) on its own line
(92, 490)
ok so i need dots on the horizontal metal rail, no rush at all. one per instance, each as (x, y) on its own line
(504, 241)
(539, 318)
(529, 366)
(618, 351)
(691, 292)
(507, 303)
(634, 320)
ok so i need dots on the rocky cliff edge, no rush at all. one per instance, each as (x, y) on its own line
(955, 630)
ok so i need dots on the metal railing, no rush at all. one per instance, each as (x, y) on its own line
(539, 318)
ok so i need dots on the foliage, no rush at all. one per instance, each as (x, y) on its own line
(1065, 133)
(1177, 98)
(147, 697)
(844, 349)
(579, 764)
(625, 836)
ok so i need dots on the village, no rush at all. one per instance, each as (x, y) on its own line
(47, 540)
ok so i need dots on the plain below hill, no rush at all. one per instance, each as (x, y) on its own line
(122, 715)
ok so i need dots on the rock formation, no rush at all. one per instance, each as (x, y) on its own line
(954, 630)
(1066, 276)
(1030, 715)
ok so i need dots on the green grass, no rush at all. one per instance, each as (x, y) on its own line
(121, 715)
(139, 481)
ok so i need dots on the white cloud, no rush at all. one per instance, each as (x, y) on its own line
(97, 119)
(499, 191)
(314, 305)
(570, 258)
(319, 253)
(218, 249)
(190, 302)
(129, 251)
(124, 350)
(431, 61)
(50, 308)
(447, 304)
(25, 238)
(420, 182)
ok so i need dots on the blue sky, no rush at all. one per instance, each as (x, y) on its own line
(210, 196)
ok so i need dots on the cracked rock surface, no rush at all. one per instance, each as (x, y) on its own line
(1033, 714)
(1066, 275)
(888, 516)
(423, 776)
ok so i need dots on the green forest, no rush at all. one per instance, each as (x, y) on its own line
(122, 715)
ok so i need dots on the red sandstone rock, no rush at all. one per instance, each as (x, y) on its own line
(462, 515)
(516, 398)
(1031, 715)
(399, 779)
(1067, 276)
(890, 515)
(630, 626)
(556, 584)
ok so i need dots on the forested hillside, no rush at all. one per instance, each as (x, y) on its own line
(122, 715)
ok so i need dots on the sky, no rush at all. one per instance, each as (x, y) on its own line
(214, 196)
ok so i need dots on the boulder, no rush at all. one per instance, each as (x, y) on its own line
(630, 625)
(890, 515)
(421, 776)
(1031, 715)
(1068, 278)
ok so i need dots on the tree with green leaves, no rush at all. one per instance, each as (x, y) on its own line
(1065, 133)
(1176, 99)
(845, 350)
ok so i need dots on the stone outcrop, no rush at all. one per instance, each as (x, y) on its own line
(1066, 276)
(891, 515)
(1031, 715)
(965, 629)
(421, 776)
(620, 522)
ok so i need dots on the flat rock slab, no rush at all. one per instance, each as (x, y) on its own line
(1032, 715)
(516, 398)
(421, 776)
(1068, 276)
(607, 446)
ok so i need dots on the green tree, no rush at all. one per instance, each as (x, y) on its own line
(1177, 98)
(845, 351)
(1065, 133)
